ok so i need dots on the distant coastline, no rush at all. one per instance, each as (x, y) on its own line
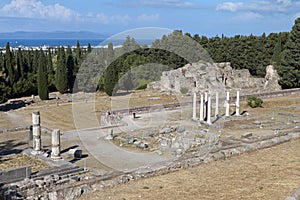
(14, 43)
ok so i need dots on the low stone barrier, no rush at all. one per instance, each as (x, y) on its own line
(14, 175)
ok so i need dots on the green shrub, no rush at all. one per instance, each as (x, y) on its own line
(184, 90)
(142, 87)
(254, 102)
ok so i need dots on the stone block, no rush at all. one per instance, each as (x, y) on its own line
(180, 129)
(247, 135)
(165, 131)
(76, 153)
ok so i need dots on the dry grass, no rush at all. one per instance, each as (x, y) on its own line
(271, 173)
(60, 115)
(14, 161)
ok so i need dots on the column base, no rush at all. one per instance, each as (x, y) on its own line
(34, 152)
(55, 157)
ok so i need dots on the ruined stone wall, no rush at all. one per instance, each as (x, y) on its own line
(14, 175)
(200, 75)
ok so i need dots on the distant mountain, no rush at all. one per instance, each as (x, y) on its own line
(52, 35)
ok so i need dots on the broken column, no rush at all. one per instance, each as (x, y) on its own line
(55, 154)
(208, 109)
(227, 104)
(201, 107)
(36, 132)
(194, 106)
(237, 103)
(217, 105)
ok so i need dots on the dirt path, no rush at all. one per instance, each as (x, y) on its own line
(271, 173)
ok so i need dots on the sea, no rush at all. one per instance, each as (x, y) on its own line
(14, 43)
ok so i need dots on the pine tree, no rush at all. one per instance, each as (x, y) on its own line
(42, 77)
(61, 76)
(290, 59)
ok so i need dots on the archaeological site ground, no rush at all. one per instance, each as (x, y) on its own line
(165, 142)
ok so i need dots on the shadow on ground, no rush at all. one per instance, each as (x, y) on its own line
(10, 147)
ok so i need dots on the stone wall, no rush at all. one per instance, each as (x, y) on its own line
(15, 175)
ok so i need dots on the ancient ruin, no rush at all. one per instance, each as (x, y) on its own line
(36, 129)
(203, 75)
(137, 142)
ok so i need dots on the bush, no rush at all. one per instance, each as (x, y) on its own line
(142, 87)
(184, 90)
(254, 102)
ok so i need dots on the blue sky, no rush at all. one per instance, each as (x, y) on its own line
(210, 18)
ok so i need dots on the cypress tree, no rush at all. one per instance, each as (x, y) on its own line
(35, 61)
(42, 77)
(111, 77)
(61, 76)
(110, 53)
(89, 48)
(8, 65)
(70, 67)
(78, 53)
(49, 62)
(276, 53)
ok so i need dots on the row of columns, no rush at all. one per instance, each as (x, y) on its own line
(205, 106)
(37, 140)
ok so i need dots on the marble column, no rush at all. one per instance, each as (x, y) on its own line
(237, 103)
(208, 109)
(194, 106)
(201, 107)
(227, 104)
(36, 132)
(205, 105)
(217, 105)
(55, 154)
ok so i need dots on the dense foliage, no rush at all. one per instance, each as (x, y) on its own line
(26, 72)
(254, 102)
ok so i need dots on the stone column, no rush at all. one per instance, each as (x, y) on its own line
(55, 154)
(194, 106)
(205, 105)
(227, 104)
(36, 132)
(237, 103)
(217, 105)
(201, 107)
(208, 109)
